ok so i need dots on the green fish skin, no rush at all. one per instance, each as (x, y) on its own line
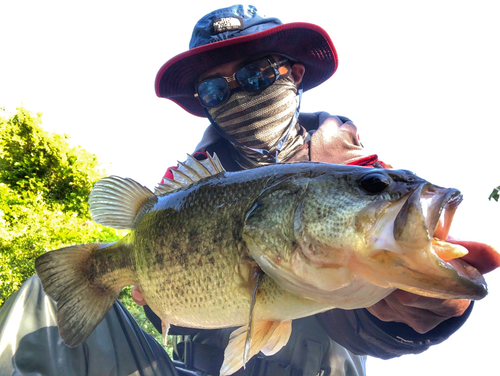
(321, 235)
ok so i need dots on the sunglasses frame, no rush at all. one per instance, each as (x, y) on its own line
(229, 80)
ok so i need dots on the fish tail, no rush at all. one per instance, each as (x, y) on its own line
(68, 276)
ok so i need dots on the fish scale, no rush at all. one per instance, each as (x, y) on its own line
(215, 263)
(305, 237)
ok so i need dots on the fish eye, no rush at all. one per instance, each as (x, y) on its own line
(374, 183)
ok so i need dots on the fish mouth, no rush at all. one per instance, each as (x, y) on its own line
(428, 212)
(438, 221)
(423, 262)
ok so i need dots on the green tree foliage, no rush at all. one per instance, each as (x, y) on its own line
(44, 185)
(495, 194)
(31, 160)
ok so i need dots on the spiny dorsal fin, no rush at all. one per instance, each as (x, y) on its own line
(189, 172)
(115, 201)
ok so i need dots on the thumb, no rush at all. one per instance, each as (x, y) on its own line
(137, 296)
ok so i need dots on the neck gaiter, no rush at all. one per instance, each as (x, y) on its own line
(261, 121)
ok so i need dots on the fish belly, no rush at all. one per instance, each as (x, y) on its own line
(218, 295)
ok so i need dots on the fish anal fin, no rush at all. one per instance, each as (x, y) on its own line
(278, 339)
(262, 337)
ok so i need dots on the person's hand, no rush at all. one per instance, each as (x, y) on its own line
(137, 296)
(422, 313)
(482, 256)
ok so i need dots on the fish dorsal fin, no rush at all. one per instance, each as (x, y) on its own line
(116, 202)
(189, 172)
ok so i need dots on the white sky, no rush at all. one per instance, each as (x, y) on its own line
(420, 80)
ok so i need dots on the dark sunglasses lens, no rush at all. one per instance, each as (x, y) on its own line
(256, 76)
(213, 92)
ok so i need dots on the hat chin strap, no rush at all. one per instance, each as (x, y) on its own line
(265, 152)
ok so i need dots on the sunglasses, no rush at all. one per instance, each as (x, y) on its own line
(255, 76)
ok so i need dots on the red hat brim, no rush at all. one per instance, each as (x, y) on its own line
(306, 43)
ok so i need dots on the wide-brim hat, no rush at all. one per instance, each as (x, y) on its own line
(239, 32)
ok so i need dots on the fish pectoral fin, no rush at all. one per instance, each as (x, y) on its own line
(257, 273)
(268, 336)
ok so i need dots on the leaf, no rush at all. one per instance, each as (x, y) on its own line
(495, 194)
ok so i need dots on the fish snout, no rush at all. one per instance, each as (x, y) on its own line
(428, 212)
(425, 263)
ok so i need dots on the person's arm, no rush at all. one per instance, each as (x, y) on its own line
(363, 334)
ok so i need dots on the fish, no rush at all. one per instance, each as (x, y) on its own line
(258, 248)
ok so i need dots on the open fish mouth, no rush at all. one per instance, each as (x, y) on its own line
(439, 220)
(439, 208)
(428, 212)
(424, 219)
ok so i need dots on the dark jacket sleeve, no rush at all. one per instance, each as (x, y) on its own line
(363, 334)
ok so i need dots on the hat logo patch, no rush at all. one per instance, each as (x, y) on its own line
(227, 24)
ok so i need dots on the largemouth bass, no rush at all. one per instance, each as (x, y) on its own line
(258, 248)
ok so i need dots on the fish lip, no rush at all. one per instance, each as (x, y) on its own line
(441, 205)
(438, 206)
(468, 271)
(427, 212)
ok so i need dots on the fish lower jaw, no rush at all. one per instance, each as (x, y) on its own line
(468, 271)
(423, 274)
(437, 258)
(450, 255)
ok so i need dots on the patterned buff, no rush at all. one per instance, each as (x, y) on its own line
(261, 121)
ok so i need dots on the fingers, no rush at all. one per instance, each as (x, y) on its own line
(420, 313)
(137, 296)
(447, 308)
(418, 319)
(483, 257)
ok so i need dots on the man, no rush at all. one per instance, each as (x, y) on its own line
(254, 122)
(246, 74)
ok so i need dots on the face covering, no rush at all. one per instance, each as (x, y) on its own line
(262, 123)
